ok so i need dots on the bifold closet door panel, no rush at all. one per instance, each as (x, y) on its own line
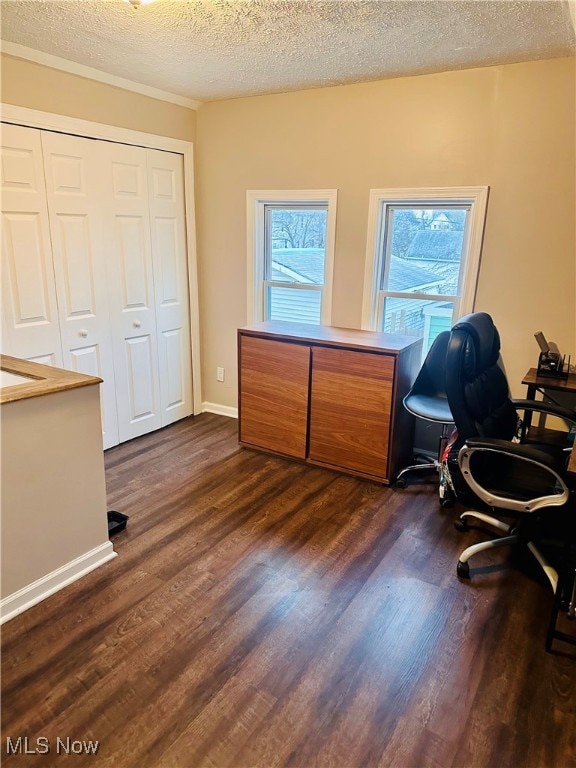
(131, 289)
(95, 271)
(350, 407)
(75, 190)
(170, 264)
(30, 327)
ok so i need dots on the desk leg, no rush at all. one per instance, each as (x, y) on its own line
(527, 422)
(565, 591)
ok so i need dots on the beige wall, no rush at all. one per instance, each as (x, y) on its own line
(53, 492)
(26, 84)
(509, 127)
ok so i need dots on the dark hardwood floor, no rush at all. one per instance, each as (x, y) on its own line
(264, 613)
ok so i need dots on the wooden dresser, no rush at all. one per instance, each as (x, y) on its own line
(328, 396)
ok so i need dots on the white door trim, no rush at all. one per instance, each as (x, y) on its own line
(49, 121)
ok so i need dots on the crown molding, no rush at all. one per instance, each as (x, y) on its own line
(55, 62)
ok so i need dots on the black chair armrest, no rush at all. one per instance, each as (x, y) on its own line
(514, 450)
(539, 406)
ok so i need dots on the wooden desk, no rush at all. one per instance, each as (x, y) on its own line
(546, 384)
(553, 389)
(543, 384)
(328, 396)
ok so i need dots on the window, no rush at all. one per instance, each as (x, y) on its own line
(290, 255)
(422, 259)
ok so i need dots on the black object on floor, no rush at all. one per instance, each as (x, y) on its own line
(116, 522)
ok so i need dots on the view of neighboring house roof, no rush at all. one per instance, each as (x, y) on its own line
(447, 273)
(309, 263)
(436, 245)
(409, 277)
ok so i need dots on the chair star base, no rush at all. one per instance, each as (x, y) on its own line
(512, 537)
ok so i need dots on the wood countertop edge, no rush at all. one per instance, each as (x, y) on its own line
(47, 379)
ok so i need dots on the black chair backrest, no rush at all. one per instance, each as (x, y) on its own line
(476, 385)
(431, 378)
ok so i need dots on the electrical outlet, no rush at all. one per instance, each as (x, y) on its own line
(219, 374)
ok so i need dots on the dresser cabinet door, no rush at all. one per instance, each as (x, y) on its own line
(351, 402)
(274, 379)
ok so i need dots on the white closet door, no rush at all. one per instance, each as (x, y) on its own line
(30, 316)
(168, 232)
(131, 290)
(74, 190)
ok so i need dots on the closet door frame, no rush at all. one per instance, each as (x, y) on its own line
(33, 118)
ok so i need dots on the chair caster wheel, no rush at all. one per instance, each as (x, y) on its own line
(401, 483)
(463, 570)
(461, 525)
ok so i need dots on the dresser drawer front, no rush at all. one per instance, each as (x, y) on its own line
(274, 380)
(350, 408)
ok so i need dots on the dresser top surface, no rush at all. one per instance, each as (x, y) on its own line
(329, 335)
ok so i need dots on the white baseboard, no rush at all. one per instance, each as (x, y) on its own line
(221, 410)
(39, 590)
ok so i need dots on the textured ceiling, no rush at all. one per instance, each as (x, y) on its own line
(216, 49)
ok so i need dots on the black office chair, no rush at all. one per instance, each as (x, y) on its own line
(527, 482)
(427, 400)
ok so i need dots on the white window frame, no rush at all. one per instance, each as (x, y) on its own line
(256, 201)
(380, 201)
